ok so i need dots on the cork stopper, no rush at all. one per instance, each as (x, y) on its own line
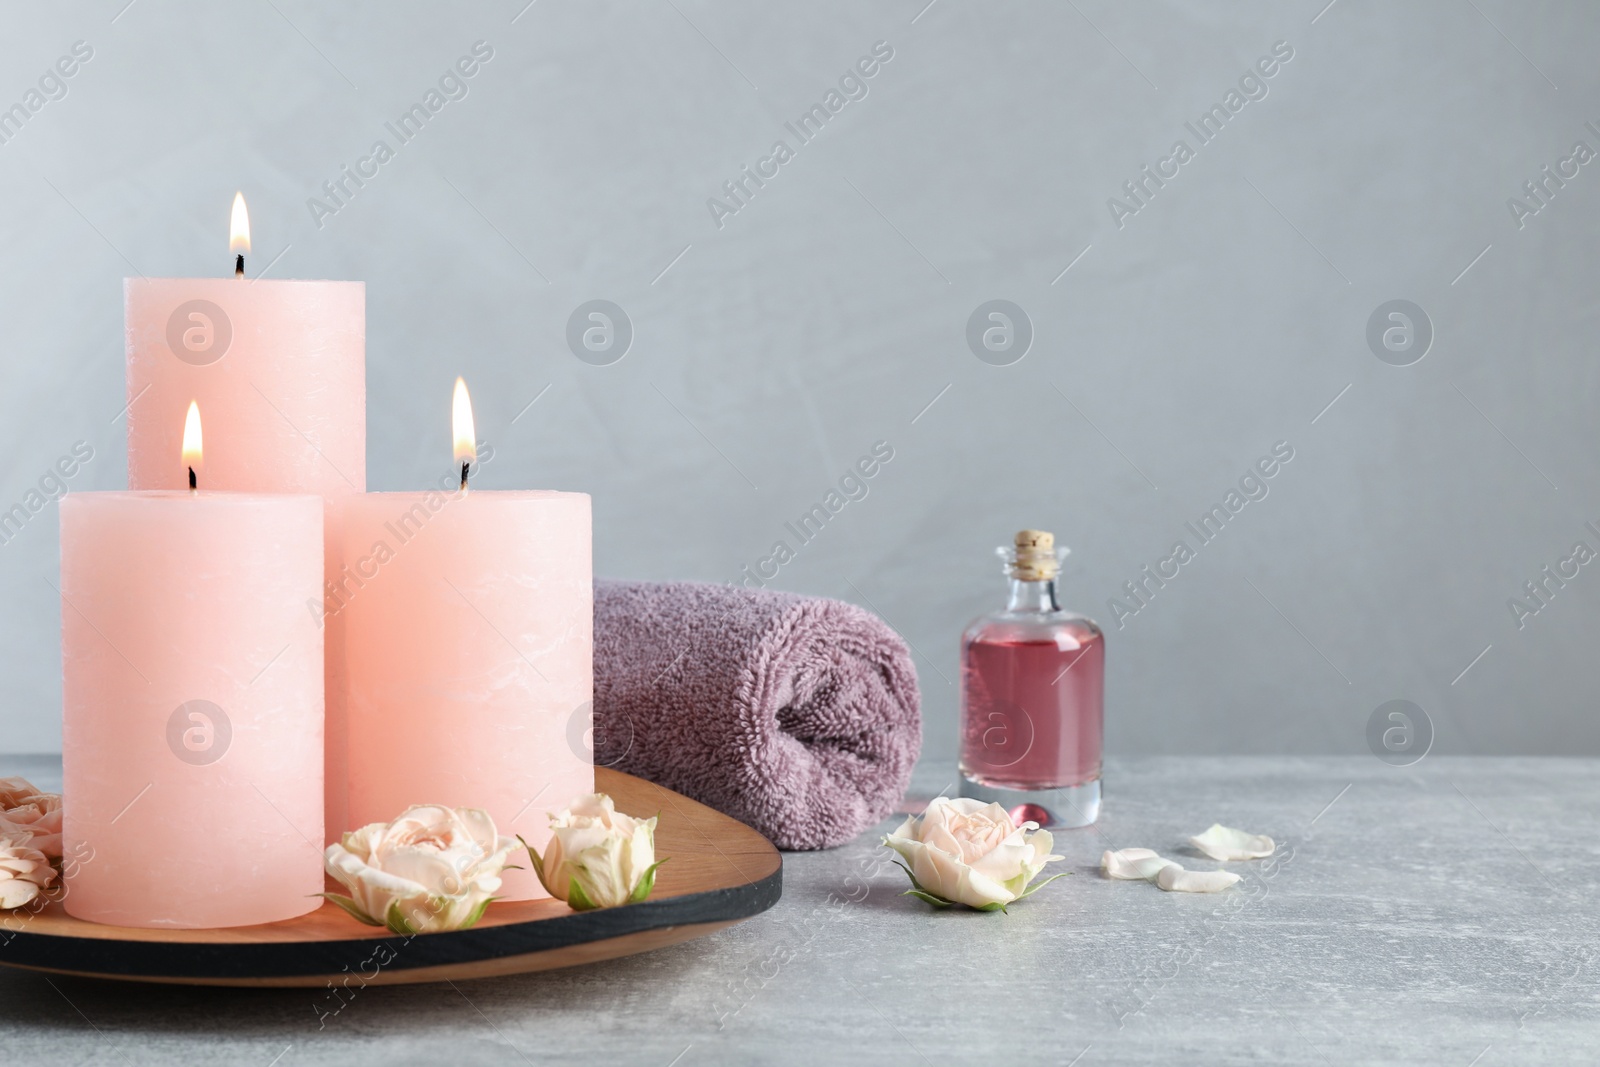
(1035, 559)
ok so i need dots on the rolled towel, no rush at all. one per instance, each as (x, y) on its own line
(796, 715)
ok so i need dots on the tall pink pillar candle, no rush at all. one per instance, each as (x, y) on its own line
(469, 635)
(282, 366)
(192, 684)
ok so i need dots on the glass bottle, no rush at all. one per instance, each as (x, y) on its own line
(1032, 690)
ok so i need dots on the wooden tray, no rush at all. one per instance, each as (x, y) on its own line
(720, 873)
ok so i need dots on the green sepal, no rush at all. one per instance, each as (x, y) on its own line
(1035, 887)
(937, 901)
(397, 922)
(577, 899)
(538, 866)
(477, 913)
(641, 892)
(351, 907)
(920, 893)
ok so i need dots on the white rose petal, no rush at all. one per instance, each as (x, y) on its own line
(436, 867)
(1224, 843)
(964, 851)
(24, 872)
(15, 792)
(1133, 863)
(37, 816)
(1174, 879)
(608, 854)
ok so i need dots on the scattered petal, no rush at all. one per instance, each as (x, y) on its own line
(1174, 879)
(1133, 863)
(1225, 843)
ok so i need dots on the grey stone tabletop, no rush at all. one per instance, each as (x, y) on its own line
(1435, 914)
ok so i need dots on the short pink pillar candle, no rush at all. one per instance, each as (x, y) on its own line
(469, 631)
(192, 733)
(281, 365)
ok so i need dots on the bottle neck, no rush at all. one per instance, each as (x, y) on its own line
(1034, 597)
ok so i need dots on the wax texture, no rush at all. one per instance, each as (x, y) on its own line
(468, 638)
(278, 369)
(193, 707)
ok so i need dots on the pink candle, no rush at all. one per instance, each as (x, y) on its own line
(468, 619)
(192, 733)
(281, 365)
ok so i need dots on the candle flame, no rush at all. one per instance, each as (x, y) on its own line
(239, 226)
(191, 437)
(461, 425)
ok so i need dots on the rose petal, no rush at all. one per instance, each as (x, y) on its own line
(1134, 863)
(969, 806)
(427, 868)
(592, 806)
(937, 872)
(579, 835)
(433, 866)
(599, 871)
(427, 825)
(1224, 843)
(640, 852)
(1005, 860)
(605, 853)
(977, 890)
(906, 831)
(22, 861)
(1174, 879)
(360, 842)
(50, 844)
(14, 791)
(945, 876)
(480, 826)
(14, 893)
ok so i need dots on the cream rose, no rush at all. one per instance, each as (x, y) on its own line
(433, 868)
(15, 791)
(25, 810)
(25, 872)
(597, 857)
(964, 851)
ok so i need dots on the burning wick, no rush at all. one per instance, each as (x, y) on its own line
(239, 233)
(466, 450)
(192, 447)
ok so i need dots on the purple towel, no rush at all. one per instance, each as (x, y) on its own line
(796, 715)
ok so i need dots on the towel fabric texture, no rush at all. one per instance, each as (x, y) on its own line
(796, 715)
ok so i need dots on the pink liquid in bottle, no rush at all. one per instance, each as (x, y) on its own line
(1032, 699)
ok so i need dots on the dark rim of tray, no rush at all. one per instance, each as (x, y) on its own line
(294, 959)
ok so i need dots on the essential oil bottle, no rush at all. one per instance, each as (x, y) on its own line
(1032, 697)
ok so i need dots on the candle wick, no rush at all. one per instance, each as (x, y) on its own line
(192, 482)
(464, 467)
(238, 266)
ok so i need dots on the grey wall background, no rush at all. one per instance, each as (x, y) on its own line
(830, 312)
